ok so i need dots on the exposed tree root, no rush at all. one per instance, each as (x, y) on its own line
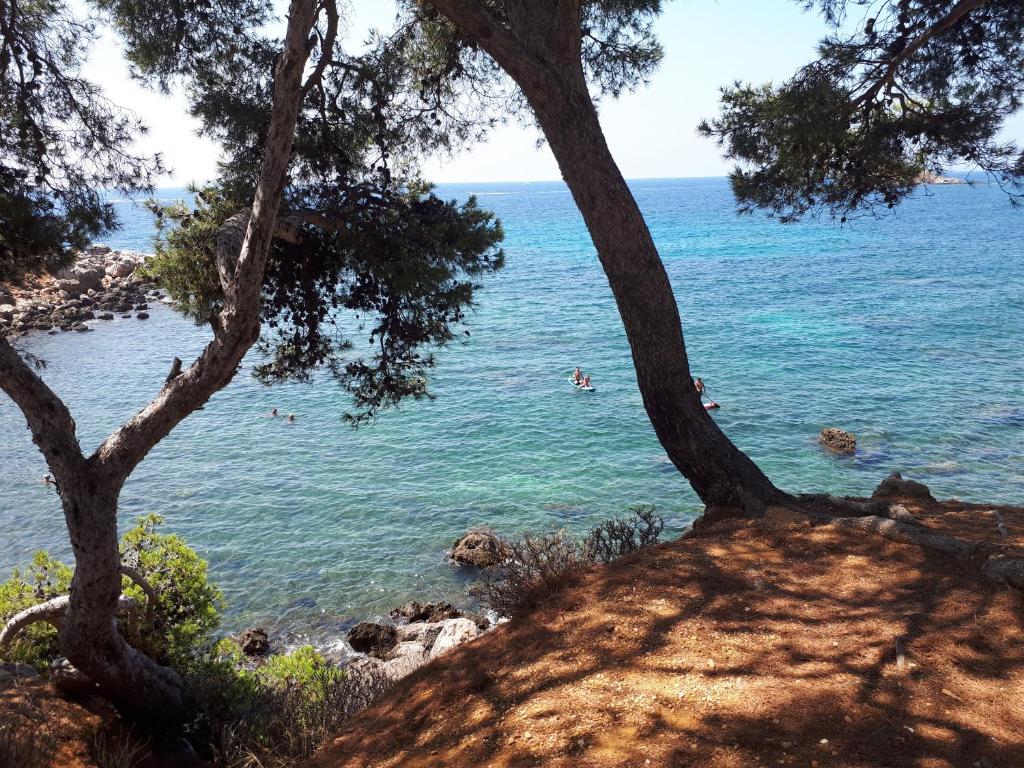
(52, 611)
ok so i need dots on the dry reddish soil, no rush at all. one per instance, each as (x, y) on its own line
(746, 644)
(50, 730)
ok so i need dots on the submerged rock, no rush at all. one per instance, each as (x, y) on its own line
(479, 549)
(373, 639)
(254, 642)
(838, 440)
(895, 487)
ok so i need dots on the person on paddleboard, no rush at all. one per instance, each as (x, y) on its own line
(577, 376)
(586, 382)
(699, 384)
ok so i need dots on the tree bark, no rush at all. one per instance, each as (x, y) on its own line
(89, 488)
(540, 50)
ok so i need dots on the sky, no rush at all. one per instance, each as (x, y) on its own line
(652, 132)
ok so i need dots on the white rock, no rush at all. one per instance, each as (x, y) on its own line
(120, 268)
(419, 631)
(405, 658)
(453, 633)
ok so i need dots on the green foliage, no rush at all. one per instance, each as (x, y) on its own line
(63, 140)
(174, 632)
(618, 51)
(185, 263)
(188, 607)
(44, 579)
(302, 667)
(922, 85)
(397, 268)
(276, 714)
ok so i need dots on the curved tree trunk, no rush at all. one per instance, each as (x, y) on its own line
(720, 473)
(89, 488)
(89, 634)
(537, 42)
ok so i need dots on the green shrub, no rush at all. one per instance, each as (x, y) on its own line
(44, 579)
(277, 714)
(175, 631)
(188, 607)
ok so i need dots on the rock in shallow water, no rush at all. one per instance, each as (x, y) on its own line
(895, 487)
(838, 440)
(429, 612)
(479, 549)
(254, 642)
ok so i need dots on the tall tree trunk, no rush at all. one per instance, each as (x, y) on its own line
(89, 488)
(89, 634)
(720, 473)
(538, 45)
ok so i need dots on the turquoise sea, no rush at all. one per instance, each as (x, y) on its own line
(908, 330)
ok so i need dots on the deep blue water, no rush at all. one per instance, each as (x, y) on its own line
(906, 330)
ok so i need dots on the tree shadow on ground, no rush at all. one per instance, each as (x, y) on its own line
(740, 646)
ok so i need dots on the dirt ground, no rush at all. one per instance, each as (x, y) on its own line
(747, 644)
(42, 728)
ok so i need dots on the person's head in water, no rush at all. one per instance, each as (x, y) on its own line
(291, 418)
(273, 412)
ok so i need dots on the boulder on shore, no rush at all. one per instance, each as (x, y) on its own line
(414, 612)
(895, 487)
(254, 641)
(838, 440)
(454, 632)
(372, 639)
(479, 549)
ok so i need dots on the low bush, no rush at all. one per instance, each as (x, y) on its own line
(43, 580)
(188, 606)
(533, 567)
(615, 538)
(278, 714)
(178, 625)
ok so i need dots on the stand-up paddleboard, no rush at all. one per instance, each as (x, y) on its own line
(580, 386)
(711, 406)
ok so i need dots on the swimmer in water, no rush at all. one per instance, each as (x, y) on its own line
(291, 418)
(273, 413)
(48, 480)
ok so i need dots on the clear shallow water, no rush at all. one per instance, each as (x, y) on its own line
(907, 331)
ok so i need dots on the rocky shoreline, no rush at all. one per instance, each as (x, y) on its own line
(100, 284)
(412, 635)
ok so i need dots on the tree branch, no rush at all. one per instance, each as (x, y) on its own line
(241, 271)
(494, 38)
(53, 429)
(147, 588)
(326, 47)
(958, 11)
